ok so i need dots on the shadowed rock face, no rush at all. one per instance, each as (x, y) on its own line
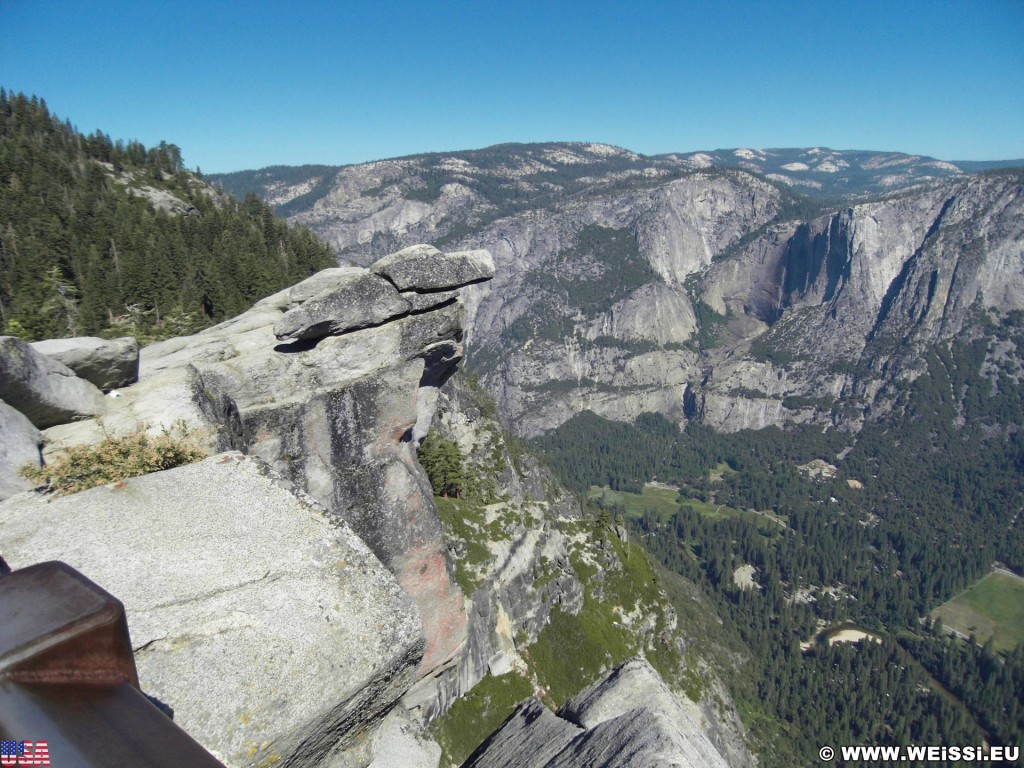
(532, 736)
(43, 389)
(107, 363)
(629, 719)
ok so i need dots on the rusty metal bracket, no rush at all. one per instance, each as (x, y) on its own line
(68, 677)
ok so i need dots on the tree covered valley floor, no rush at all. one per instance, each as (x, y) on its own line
(923, 505)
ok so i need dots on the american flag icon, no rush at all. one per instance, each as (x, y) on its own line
(24, 753)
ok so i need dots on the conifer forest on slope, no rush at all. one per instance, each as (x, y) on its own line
(84, 251)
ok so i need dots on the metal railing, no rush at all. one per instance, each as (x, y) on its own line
(69, 690)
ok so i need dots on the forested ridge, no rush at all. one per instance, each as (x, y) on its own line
(924, 502)
(105, 237)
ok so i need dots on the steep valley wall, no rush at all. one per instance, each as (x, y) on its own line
(735, 312)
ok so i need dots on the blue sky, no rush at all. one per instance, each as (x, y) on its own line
(241, 85)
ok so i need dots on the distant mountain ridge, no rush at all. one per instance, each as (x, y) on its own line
(848, 174)
(817, 172)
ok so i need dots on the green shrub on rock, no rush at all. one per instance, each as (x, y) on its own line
(116, 458)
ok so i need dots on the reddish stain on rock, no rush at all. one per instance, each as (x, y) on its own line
(424, 575)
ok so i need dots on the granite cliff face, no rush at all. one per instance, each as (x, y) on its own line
(626, 284)
(846, 303)
(559, 332)
(326, 382)
(803, 317)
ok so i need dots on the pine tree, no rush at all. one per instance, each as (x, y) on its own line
(442, 460)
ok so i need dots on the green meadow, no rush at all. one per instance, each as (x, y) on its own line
(661, 500)
(992, 608)
(665, 502)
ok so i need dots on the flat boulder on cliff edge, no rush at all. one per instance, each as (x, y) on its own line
(45, 390)
(267, 626)
(424, 268)
(349, 301)
(107, 363)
